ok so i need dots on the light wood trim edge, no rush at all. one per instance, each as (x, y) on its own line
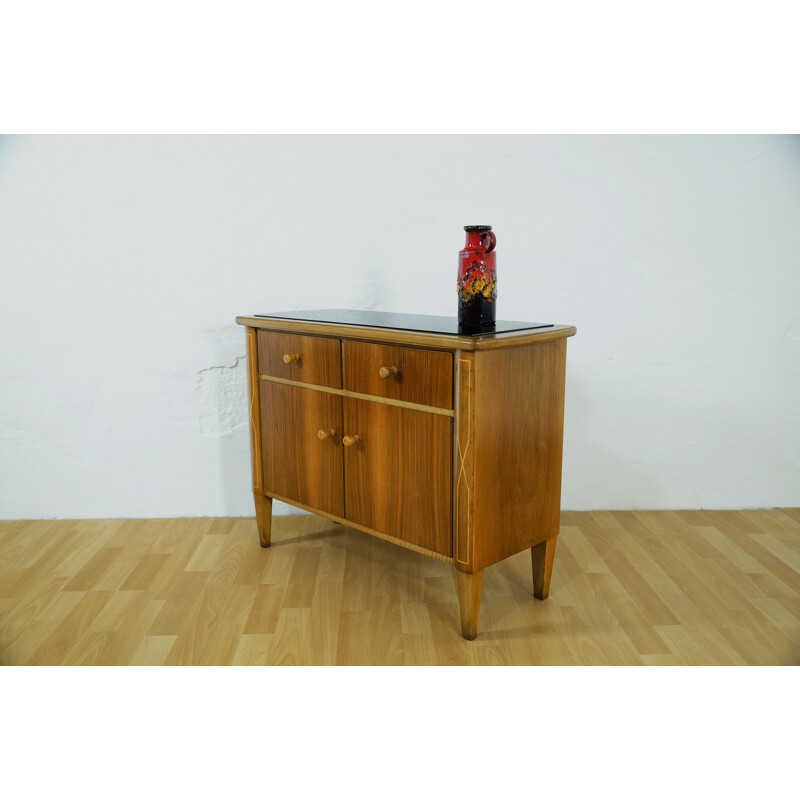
(371, 531)
(520, 338)
(389, 401)
(463, 491)
(255, 411)
(398, 336)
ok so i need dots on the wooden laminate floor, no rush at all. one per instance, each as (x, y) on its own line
(634, 587)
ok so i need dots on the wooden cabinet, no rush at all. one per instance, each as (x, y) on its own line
(443, 443)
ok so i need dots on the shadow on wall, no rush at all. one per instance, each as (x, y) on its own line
(8, 143)
(676, 449)
(596, 477)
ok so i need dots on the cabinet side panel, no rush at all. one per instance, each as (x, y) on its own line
(255, 410)
(518, 439)
(297, 463)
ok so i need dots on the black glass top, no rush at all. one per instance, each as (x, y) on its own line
(405, 322)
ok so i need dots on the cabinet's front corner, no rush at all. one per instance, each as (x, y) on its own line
(463, 460)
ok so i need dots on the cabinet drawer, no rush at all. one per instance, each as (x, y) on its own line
(310, 359)
(410, 374)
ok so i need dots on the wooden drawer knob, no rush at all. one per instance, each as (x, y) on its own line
(387, 372)
(349, 441)
(325, 434)
(289, 357)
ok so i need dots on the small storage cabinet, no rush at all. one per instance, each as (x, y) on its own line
(446, 444)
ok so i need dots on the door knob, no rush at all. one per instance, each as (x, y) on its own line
(349, 441)
(289, 357)
(325, 433)
(387, 372)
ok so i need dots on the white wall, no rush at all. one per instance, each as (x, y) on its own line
(124, 260)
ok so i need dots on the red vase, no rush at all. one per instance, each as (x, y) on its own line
(477, 280)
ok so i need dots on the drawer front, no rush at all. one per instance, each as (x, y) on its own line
(410, 374)
(310, 359)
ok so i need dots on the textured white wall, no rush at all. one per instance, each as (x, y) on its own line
(124, 260)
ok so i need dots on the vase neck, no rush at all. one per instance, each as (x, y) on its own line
(475, 241)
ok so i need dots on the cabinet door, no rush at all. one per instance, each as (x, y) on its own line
(398, 473)
(298, 465)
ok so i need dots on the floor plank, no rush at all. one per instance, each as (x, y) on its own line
(629, 588)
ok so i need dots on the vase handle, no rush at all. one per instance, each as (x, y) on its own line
(493, 242)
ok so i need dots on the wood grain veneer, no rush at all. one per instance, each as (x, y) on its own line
(519, 422)
(297, 463)
(366, 529)
(398, 474)
(420, 376)
(319, 358)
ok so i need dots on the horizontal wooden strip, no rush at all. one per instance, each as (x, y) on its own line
(445, 412)
(364, 528)
(389, 401)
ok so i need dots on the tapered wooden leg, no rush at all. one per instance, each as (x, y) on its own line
(542, 562)
(263, 518)
(469, 601)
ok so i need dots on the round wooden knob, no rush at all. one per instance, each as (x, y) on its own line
(289, 357)
(387, 372)
(324, 434)
(349, 441)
